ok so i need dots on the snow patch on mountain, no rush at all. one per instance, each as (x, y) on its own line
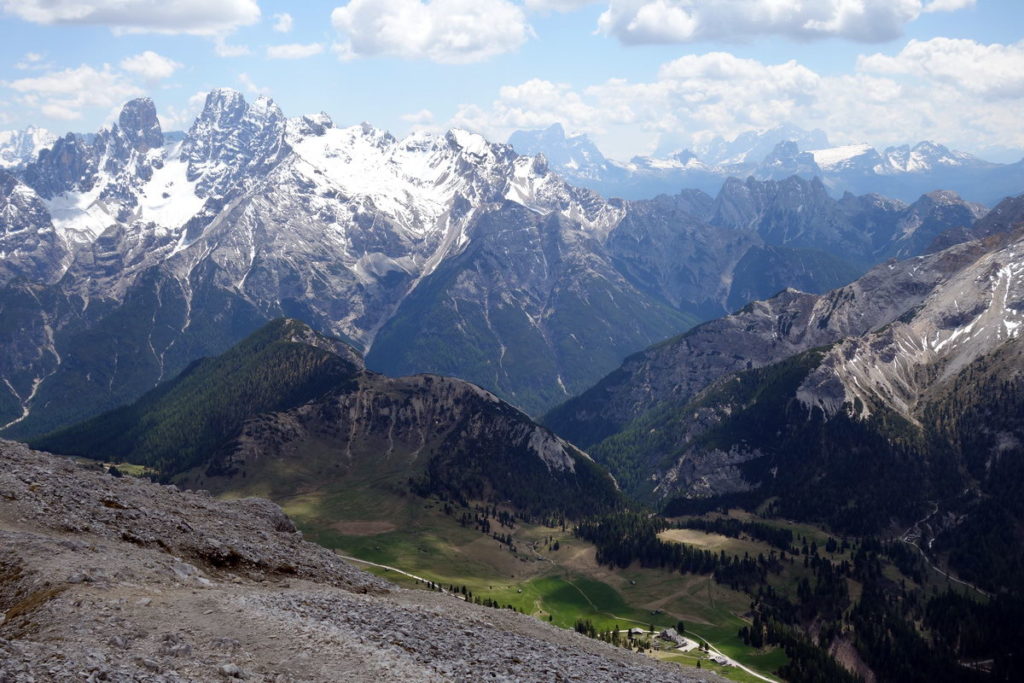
(169, 199)
(19, 147)
(80, 217)
(966, 317)
(832, 157)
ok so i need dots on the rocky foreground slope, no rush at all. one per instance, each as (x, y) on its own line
(105, 578)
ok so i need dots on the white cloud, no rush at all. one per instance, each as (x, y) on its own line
(422, 117)
(294, 51)
(959, 92)
(31, 61)
(283, 22)
(446, 31)
(150, 66)
(993, 71)
(557, 5)
(64, 94)
(60, 112)
(534, 104)
(222, 49)
(198, 17)
(636, 22)
(948, 5)
(175, 118)
(250, 86)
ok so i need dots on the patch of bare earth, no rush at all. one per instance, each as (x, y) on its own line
(363, 527)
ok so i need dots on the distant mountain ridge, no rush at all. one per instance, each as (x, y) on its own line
(127, 255)
(904, 172)
(19, 147)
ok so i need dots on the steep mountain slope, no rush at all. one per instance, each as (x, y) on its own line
(288, 404)
(123, 579)
(891, 418)
(526, 301)
(761, 333)
(252, 216)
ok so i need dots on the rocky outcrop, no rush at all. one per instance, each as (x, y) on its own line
(762, 333)
(105, 578)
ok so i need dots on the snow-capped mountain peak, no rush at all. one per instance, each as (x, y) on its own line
(20, 147)
(833, 158)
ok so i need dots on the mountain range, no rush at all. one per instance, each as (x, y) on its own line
(897, 392)
(360, 327)
(903, 172)
(129, 254)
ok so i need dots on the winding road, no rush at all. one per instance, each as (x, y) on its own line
(911, 537)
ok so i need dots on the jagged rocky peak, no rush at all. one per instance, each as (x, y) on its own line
(927, 156)
(740, 202)
(969, 315)
(310, 125)
(20, 207)
(574, 153)
(223, 105)
(753, 146)
(231, 138)
(20, 147)
(68, 165)
(786, 160)
(140, 125)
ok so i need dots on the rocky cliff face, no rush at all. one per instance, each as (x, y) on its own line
(971, 314)
(762, 333)
(118, 578)
(886, 398)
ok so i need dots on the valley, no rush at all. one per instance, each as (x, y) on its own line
(549, 573)
(783, 422)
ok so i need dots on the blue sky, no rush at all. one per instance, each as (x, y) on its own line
(638, 76)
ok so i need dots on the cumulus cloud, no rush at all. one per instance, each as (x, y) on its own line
(198, 17)
(150, 66)
(636, 22)
(222, 48)
(446, 31)
(63, 94)
(948, 5)
(994, 71)
(179, 118)
(294, 51)
(887, 100)
(251, 86)
(537, 103)
(421, 118)
(283, 22)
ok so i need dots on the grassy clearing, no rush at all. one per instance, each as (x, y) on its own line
(690, 659)
(373, 518)
(135, 470)
(559, 586)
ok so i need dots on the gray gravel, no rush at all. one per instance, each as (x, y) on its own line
(124, 580)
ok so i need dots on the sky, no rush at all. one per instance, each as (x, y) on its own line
(637, 76)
